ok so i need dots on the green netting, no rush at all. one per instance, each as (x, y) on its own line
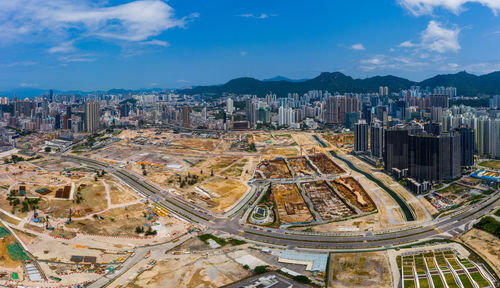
(3, 232)
(16, 252)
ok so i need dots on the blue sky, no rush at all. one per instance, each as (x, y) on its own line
(89, 45)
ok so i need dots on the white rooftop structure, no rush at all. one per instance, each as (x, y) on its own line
(313, 261)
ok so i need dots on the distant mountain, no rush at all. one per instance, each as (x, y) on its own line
(333, 82)
(24, 92)
(283, 78)
(467, 84)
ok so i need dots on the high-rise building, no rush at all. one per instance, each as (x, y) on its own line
(204, 114)
(331, 111)
(383, 91)
(361, 136)
(186, 121)
(57, 121)
(68, 111)
(396, 148)
(229, 106)
(251, 108)
(92, 117)
(351, 118)
(377, 139)
(467, 146)
(434, 158)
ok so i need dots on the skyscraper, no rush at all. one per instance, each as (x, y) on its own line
(186, 121)
(377, 139)
(434, 158)
(361, 136)
(396, 148)
(57, 121)
(92, 117)
(467, 146)
(229, 106)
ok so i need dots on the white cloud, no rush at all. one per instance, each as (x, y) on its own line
(64, 47)
(156, 43)
(77, 58)
(384, 62)
(21, 63)
(59, 21)
(407, 44)
(476, 68)
(183, 81)
(440, 39)
(435, 38)
(27, 85)
(421, 7)
(243, 53)
(256, 16)
(358, 46)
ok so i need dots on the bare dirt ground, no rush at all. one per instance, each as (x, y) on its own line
(191, 271)
(291, 205)
(359, 270)
(121, 194)
(418, 207)
(229, 190)
(117, 222)
(484, 244)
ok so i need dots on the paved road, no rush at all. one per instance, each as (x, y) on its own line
(444, 227)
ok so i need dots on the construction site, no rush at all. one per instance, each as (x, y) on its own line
(342, 141)
(325, 164)
(325, 201)
(290, 204)
(272, 169)
(301, 167)
(351, 190)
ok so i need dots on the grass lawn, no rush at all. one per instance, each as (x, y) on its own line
(409, 283)
(476, 276)
(436, 280)
(450, 280)
(465, 281)
(423, 283)
(453, 188)
(494, 164)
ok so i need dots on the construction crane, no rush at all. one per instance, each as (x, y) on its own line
(69, 217)
(35, 215)
(47, 223)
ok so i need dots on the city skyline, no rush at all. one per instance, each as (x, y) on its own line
(89, 45)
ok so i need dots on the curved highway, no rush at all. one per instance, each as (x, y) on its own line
(444, 227)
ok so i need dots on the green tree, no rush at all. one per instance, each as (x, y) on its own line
(260, 269)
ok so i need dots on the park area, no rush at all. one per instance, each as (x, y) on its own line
(443, 266)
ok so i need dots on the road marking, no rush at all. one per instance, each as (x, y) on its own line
(434, 227)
